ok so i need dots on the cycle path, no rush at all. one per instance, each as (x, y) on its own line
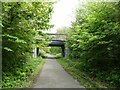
(54, 76)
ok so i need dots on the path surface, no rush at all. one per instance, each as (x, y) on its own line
(54, 76)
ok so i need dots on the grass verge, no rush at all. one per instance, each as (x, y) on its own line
(82, 77)
(35, 73)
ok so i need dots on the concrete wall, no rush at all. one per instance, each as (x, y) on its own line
(35, 52)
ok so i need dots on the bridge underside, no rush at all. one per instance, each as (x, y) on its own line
(58, 43)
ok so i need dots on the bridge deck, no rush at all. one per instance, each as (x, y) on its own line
(61, 37)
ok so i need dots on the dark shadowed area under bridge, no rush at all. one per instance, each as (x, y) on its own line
(58, 40)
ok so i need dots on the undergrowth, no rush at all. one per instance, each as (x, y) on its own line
(23, 76)
(87, 80)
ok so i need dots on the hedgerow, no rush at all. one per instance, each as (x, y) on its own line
(94, 41)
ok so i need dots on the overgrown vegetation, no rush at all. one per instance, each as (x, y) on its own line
(94, 42)
(23, 76)
(22, 26)
(55, 50)
(84, 79)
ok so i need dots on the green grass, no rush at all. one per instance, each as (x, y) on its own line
(81, 76)
(57, 56)
(35, 73)
(23, 77)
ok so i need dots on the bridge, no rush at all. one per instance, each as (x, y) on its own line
(57, 40)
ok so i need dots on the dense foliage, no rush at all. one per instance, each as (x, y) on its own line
(21, 22)
(55, 50)
(94, 41)
(23, 76)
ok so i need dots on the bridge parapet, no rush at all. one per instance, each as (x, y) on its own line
(57, 40)
(59, 37)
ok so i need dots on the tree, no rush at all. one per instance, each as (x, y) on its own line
(20, 21)
(94, 40)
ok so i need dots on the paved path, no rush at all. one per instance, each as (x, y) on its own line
(54, 76)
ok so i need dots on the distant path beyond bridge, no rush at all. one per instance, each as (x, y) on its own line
(54, 76)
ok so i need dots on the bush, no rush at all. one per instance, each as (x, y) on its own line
(94, 41)
(43, 53)
(58, 55)
(22, 76)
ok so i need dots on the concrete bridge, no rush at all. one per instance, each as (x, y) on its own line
(58, 40)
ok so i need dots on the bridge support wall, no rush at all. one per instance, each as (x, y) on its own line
(63, 51)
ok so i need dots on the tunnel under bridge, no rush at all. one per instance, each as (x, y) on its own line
(58, 43)
(58, 40)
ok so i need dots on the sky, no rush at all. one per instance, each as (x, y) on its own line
(64, 14)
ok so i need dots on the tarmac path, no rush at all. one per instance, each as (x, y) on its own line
(54, 76)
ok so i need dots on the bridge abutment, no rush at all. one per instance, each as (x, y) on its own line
(63, 51)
